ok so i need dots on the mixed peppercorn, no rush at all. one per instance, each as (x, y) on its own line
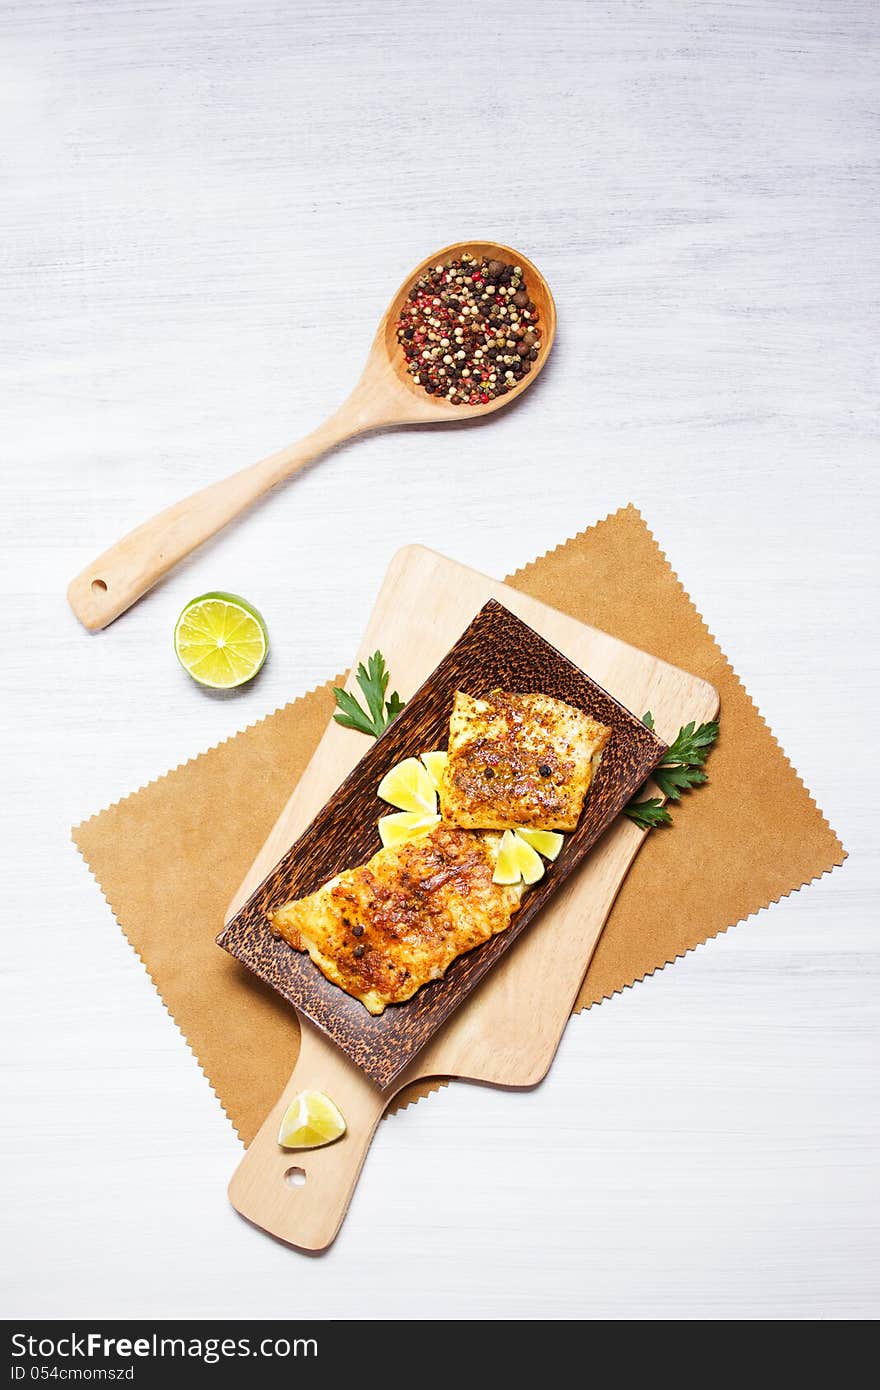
(469, 330)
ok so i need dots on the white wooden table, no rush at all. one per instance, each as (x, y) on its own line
(204, 211)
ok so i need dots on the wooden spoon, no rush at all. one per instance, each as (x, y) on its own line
(385, 395)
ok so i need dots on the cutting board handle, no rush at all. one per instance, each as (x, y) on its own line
(301, 1196)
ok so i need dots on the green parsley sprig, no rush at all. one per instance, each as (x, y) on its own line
(680, 770)
(373, 681)
(647, 814)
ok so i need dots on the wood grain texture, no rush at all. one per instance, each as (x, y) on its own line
(189, 196)
(496, 651)
(508, 1033)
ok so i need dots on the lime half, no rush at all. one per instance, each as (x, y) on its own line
(221, 640)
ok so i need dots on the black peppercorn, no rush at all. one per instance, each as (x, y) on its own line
(358, 952)
(449, 327)
(545, 770)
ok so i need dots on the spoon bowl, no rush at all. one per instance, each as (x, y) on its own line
(385, 396)
(436, 409)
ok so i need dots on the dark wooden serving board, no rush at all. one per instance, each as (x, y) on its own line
(497, 651)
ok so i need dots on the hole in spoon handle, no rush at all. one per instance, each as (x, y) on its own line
(104, 591)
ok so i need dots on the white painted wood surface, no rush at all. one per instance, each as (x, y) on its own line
(204, 211)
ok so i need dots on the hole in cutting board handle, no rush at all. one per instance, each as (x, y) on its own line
(295, 1177)
(99, 586)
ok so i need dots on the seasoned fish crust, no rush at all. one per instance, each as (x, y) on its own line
(518, 760)
(382, 930)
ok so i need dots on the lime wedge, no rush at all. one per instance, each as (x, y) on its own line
(221, 640)
(310, 1120)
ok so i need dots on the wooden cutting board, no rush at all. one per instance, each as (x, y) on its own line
(508, 1032)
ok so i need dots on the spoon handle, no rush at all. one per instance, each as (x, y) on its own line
(125, 572)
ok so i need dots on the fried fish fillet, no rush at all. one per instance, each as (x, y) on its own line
(518, 760)
(382, 930)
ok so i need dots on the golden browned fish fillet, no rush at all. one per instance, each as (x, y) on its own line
(382, 930)
(518, 760)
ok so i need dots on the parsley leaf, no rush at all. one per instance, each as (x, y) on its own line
(393, 706)
(373, 681)
(672, 781)
(648, 813)
(692, 745)
(680, 770)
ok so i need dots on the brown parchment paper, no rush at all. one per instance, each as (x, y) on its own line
(169, 864)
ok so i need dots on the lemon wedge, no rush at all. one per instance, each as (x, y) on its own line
(507, 869)
(531, 865)
(409, 787)
(396, 829)
(435, 763)
(546, 842)
(310, 1120)
(517, 859)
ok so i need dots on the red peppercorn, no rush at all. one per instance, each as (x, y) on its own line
(469, 322)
